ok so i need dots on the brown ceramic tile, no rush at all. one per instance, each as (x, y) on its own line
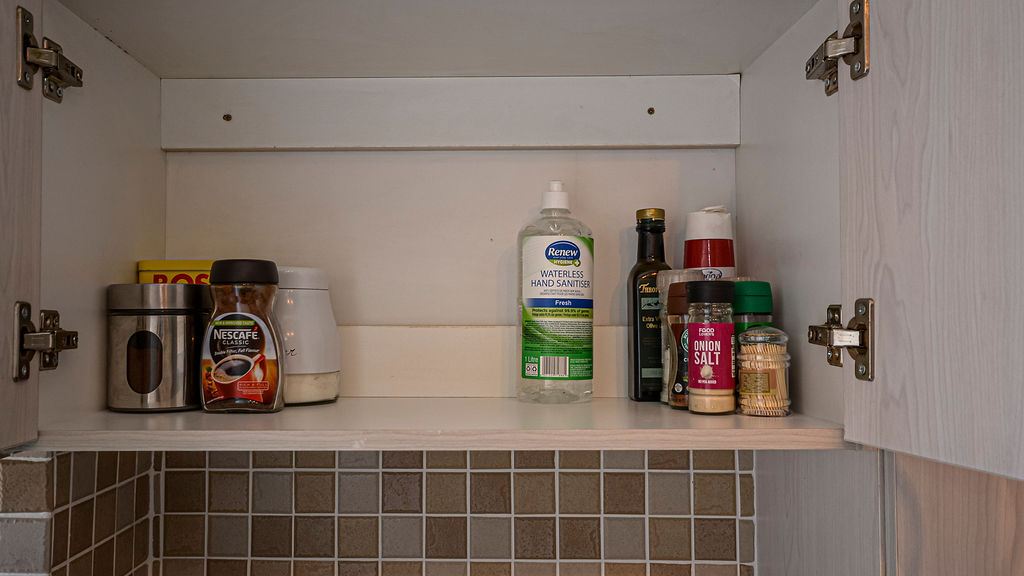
(227, 536)
(625, 539)
(446, 537)
(401, 459)
(272, 459)
(746, 570)
(143, 462)
(534, 492)
(103, 559)
(746, 495)
(579, 538)
(142, 493)
(668, 493)
(579, 459)
(714, 460)
(490, 538)
(106, 470)
(714, 570)
(63, 571)
(217, 567)
(544, 459)
(184, 535)
(402, 492)
(158, 502)
(668, 460)
(272, 492)
(82, 566)
(584, 569)
(314, 492)
(535, 538)
(359, 459)
(746, 541)
(312, 568)
(746, 459)
(401, 568)
(446, 459)
(670, 570)
(357, 537)
(314, 536)
(358, 492)
(445, 569)
(669, 538)
(624, 493)
(271, 537)
(236, 459)
(229, 492)
(184, 460)
(83, 475)
(579, 492)
(313, 459)
(446, 493)
(62, 484)
(495, 569)
(183, 567)
(490, 459)
(124, 549)
(59, 539)
(401, 536)
(158, 524)
(126, 465)
(619, 569)
(714, 494)
(490, 493)
(536, 568)
(184, 491)
(714, 539)
(104, 516)
(623, 459)
(126, 504)
(140, 546)
(155, 569)
(269, 568)
(356, 569)
(81, 527)
(158, 461)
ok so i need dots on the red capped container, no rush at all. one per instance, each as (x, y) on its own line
(709, 243)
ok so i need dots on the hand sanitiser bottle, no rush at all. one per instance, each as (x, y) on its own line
(556, 303)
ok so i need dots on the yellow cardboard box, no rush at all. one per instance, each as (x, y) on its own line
(174, 271)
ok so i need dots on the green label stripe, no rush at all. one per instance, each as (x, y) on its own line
(233, 323)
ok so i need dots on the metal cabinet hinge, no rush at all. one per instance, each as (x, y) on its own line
(49, 341)
(858, 338)
(853, 47)
(58, 72)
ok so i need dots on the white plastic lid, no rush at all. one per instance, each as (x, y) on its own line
(299, 278)
(713, 222)
(555, 196)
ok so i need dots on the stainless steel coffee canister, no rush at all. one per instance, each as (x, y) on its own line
(153, 339)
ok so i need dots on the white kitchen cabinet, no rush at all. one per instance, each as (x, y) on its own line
(927, 142)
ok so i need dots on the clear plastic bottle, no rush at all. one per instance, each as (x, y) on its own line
(556, 304)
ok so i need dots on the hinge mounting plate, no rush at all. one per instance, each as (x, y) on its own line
(858, 338)
(58, 72)
(49, 341)
(853, 47)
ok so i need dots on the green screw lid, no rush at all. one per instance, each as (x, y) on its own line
(753, 297)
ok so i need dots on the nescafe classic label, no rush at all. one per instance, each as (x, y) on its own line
(239, 359)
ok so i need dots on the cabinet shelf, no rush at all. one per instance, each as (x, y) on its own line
(441, 424)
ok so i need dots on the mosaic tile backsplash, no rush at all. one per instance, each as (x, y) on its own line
(570, 513)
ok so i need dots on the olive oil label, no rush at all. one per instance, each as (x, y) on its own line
(239, 359)
(711, 356)
(648, 324)
(558, 308)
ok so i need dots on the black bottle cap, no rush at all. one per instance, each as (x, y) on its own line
(710, 291)
(243, 272)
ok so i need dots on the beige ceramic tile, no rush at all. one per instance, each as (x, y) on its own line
(714, 570)
(536, 568)
(443, 568)
(490, 538)
(746, 541)
(714, 460)
(670, 570)
(534, 492)
(746, 459)
(401, 568)
(669, 538)
(401, 536)
(623, 459)
(619, 569)
(625, 539)
(446, 493)
(579, 492)
(579, 459)
(494, 569)
(668, 493)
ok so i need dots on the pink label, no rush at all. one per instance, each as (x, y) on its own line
(711, 356)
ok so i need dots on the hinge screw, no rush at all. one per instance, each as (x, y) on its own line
(862, 370)
(855, 7)
(862, 310)
(26, 77)
(24, 312)
(60, 92)
(24, 370)
(807, 68)
(828, 82)
(829, 354)
(856, 67)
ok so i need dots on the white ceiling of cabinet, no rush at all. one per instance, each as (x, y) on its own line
(413, 38)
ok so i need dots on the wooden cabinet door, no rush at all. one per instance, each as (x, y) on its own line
(932, 212)
(20, 213)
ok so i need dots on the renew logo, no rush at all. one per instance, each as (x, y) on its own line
(563, 253)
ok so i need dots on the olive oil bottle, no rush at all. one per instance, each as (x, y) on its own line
(644, 307)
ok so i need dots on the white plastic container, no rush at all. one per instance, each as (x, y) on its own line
(311, 351)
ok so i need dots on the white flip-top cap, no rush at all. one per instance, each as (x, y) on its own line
(299, 278)
(555, 196)
(711, 223)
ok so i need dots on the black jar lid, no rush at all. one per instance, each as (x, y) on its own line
(243, 272)
(710, 291)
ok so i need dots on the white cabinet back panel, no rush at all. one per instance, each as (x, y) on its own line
(103, 200)
(429, 238)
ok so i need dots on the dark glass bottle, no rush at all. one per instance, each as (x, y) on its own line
(644, 307)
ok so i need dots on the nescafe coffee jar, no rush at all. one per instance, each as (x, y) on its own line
(240, 365)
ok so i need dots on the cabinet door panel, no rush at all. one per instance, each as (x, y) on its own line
(20, 193)
(932, 198)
